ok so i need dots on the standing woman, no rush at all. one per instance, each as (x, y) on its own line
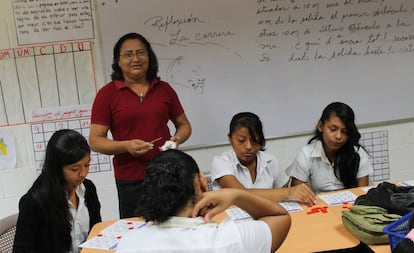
(60, 208)
(135, 107)
(333, 159)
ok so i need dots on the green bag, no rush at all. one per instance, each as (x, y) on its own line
(367, 223)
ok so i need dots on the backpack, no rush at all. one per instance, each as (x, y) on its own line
(367, 223)
(396, 199)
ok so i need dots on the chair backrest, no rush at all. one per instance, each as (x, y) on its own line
(7, 232)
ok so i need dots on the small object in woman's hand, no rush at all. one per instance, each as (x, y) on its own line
(168, 145)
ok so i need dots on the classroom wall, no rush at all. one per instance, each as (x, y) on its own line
(15, 182)
(255, 57)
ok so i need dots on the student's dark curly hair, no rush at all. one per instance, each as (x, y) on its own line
(168, 185)
(252, 122)
(347, 159)
(152, 72)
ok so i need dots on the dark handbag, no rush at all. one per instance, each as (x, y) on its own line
(396, 199)
(360, 248)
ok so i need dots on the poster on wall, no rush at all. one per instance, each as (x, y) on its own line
(52, 21)
(7, 150)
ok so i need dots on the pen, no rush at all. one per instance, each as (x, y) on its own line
(157, 139)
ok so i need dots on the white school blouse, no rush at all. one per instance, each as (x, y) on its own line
(187, 235)
(269, 171)
(80, 222)
(312, 165)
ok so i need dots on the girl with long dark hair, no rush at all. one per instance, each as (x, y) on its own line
(60, 208)
(333, 159)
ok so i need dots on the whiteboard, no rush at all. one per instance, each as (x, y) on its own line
(282, 59)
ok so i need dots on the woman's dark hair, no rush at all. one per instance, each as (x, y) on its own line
(168, 185)
(152, 58)
(65, 147)
(252, 122)
(406, 245)
(347, 159)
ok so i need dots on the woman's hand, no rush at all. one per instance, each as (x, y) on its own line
(137, 147)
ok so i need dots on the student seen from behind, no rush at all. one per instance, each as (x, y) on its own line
(174, 199)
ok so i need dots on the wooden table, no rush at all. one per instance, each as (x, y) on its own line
(309, 232)
(322, 231)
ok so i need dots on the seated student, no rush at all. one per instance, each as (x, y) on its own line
(60, 208)
(247, 166)
(174, 194)
(333, 159)
(406, 245)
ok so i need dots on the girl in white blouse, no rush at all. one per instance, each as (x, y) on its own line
(333, 159)
(247, 166)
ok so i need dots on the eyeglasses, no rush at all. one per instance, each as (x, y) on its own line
(130, 55)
